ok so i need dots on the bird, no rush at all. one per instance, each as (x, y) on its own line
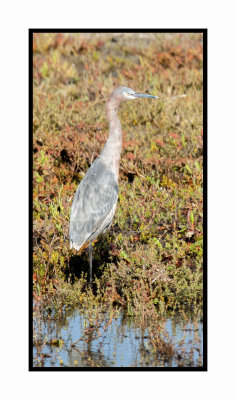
(96, 197)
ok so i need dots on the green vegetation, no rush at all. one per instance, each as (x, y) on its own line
(151, 258)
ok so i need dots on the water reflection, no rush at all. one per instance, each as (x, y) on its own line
(119, 342)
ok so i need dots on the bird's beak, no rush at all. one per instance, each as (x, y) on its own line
(145, 95)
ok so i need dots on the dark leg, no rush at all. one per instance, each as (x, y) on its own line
(90, 262)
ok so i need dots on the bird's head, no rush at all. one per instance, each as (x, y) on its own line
(123, 93)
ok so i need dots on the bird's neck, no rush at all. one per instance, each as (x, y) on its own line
(113, 146)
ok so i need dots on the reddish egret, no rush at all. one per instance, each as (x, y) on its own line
(95, 200)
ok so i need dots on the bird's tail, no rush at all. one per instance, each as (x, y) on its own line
(75, 246)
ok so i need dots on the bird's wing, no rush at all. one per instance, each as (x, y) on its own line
(94, 199)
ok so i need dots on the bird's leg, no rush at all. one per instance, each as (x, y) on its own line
(90, 262)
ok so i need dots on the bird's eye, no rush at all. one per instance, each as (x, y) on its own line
(128, 95)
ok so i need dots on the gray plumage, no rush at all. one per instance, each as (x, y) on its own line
(94, 204)
(95, 200)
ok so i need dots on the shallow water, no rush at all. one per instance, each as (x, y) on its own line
(119, 343)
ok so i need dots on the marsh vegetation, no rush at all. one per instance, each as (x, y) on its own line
(150, 263)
